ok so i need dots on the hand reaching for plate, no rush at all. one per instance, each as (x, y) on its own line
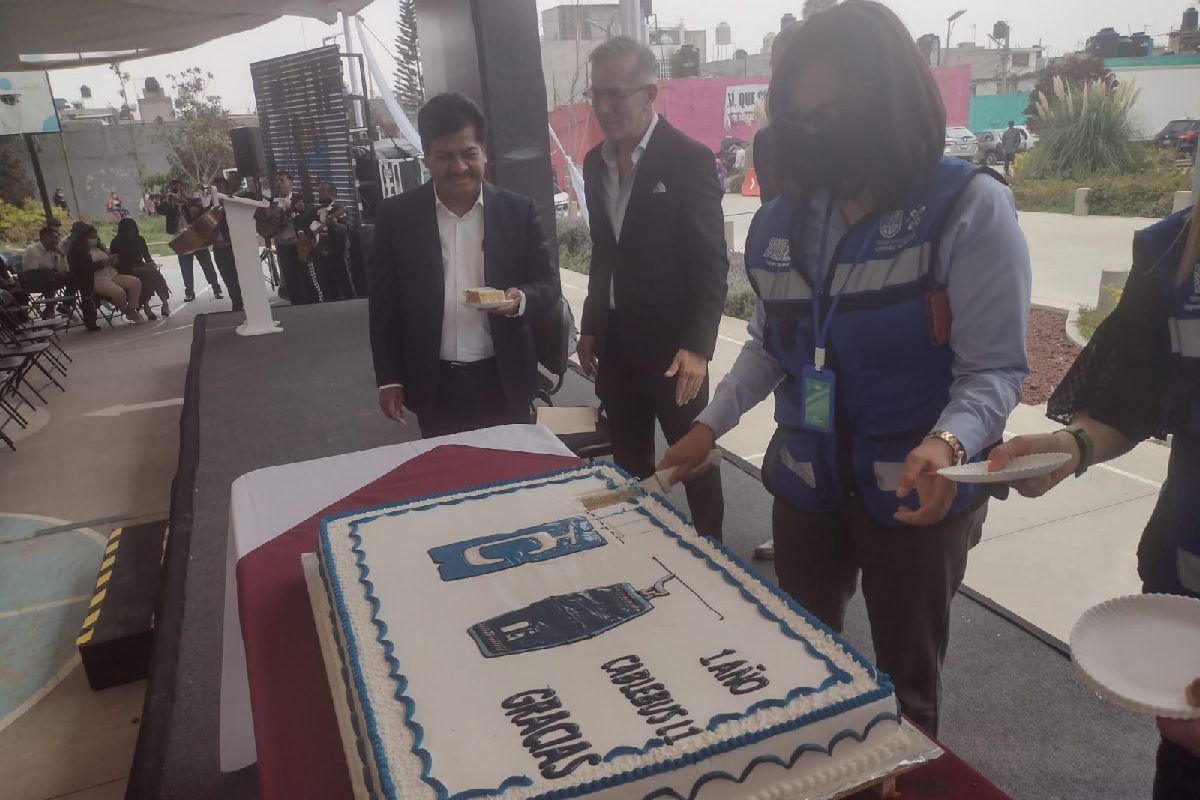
(1184, 732)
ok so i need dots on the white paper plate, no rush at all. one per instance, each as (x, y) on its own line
(1141, 652)
(486, 306)
(1019, 467)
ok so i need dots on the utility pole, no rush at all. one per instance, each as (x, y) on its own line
(37, 174)
(632, 24)
(950, 27)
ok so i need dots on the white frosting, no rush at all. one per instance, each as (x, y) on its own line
(473, 746)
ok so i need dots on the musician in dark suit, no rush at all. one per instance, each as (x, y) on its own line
(331, 258)
(659, 261)
(296, 282)
(458, 368)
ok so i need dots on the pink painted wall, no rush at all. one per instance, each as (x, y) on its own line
(697, 107)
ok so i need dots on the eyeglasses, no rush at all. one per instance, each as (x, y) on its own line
(596, 96)
(824, 118)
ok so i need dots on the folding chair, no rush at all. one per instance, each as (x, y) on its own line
(43, 339)
(13, 371)
(106, 310)
(31, 331)
(35, 352)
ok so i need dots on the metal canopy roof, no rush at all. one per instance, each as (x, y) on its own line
(45, 34)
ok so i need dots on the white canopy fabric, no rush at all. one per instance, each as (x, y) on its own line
(44, 34)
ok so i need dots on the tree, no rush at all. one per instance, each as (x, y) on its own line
(199, 147)
(816, 7)
(15, 185)
(410, 82)
(1074, 72)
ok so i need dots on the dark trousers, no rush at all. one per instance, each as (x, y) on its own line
(186, 262)
(333, 276)
(1177, 773)
(634, 396)
(228, 269)
(909, 577)
(470, 396)
(1008, 160)
(85, 285)
(297, 281)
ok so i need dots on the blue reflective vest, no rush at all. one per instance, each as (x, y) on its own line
(1174, 563)
(893, 376)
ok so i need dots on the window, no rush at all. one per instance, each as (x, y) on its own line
(664, 69)
(1020, 59)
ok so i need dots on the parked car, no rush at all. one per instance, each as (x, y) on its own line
(1180, 135)
(562, 202)
(989, 149)
(960, 143)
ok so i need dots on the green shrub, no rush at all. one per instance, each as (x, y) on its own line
(740, 300)
(1144, 194)
(1090, 317)
(1086, 131)
(574, 246)
(19, 224)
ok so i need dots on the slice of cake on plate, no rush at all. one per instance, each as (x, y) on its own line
(503, 641)
(484, 294)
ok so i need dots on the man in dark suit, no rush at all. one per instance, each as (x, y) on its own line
(659, 261)
(458, 368)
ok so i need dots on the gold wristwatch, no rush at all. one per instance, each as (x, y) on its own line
(960, 452)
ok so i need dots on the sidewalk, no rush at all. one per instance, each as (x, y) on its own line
(1047, 560)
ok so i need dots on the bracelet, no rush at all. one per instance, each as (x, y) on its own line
(1087, 448)
(960, 452)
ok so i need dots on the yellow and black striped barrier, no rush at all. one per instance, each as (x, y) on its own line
(106, 569)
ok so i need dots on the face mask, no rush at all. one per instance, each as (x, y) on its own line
(809, 162)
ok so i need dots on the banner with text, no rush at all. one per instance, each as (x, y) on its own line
(739, 103)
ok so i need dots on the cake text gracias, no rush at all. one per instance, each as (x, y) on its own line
(504, 642)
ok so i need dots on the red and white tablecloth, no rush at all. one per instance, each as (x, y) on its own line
(275, 697)
(271, 502)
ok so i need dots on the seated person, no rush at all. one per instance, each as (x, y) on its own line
(133, 258)
(44, 266)
(93, 272)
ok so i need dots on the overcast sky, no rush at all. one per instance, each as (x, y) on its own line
(1061, 26)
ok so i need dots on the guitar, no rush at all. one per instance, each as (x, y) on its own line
(310, 243)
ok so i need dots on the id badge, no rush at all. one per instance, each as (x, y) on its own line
(819, 392)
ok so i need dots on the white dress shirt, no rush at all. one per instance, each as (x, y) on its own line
(466, 335)
(616, 191)
(38, 257)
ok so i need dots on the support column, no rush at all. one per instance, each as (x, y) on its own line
(489, 50)
(356, 86)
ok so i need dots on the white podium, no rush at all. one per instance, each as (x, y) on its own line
(239, 212)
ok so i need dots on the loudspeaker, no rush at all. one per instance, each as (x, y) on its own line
(248, 152)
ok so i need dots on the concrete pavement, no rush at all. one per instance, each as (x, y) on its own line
(71, 481)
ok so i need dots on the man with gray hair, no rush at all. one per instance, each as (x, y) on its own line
(659, 261)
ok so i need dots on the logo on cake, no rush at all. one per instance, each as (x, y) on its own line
(500, 551)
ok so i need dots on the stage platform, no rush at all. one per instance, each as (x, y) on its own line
(1011, 706)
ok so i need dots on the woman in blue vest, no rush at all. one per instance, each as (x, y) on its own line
(1139, 377)
(893, 293)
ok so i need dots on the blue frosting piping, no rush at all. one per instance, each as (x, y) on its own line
(562, 477)
(708, 777)
(360, 744)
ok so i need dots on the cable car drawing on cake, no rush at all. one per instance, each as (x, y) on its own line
(565, 618)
